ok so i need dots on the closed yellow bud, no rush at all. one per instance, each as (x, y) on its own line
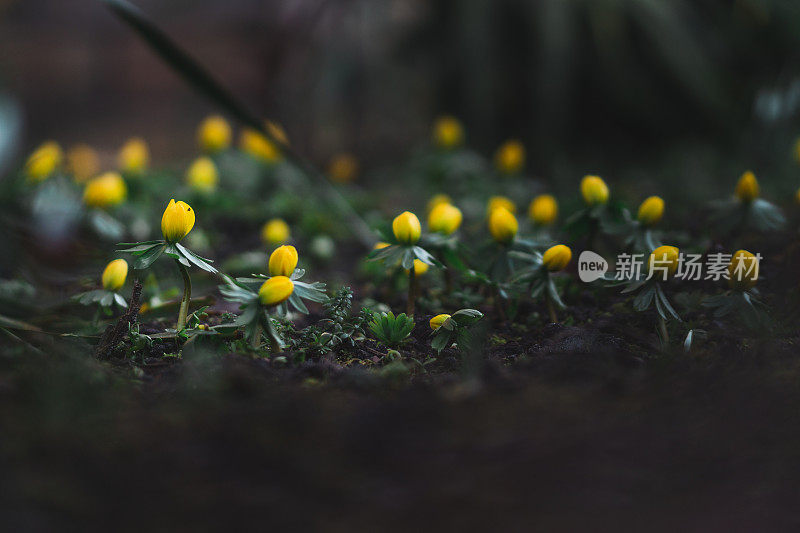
(283, 261)
(448, 132)
(503, 225)
(510, 157)
(437, 321)
(543, 209)
(275, 290)
(343, 168)
(594, 190)
(202, 175)
(177, 221)
(438, 199)
(500, 201)
(115, 274)
(106, 190)
(258, 146)
(275, 231)
(420, 268)
(743, 271)
(445, 219)
(214, 134)
(747, 188)
(406, 228)
(82, 162)
(134, 156)
(557, 257)
(43, 161)
(380, 245)
(664, 257)
(651, 211)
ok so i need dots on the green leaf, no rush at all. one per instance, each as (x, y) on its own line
(149, 257)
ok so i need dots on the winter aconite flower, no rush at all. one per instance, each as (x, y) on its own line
(651, 211)
(343, 168)
(177, 221)
(747, 188)
(283, 261)
(437, 199)
(214, 134)
(448, 132)
(106, 190)
(743, 270)
(134, 156)
(556, 258)
(500, 201)
(445, 219)
(510, 157)
(406, 228)
(82, 162)
(275, 231)
(437, 321)
(420, 268)
(503, 225)
(115, 274)
(255, 144)
(543, 210)
(664, 261)
(44, 161)
(275, 290)
(202, 175)
(594, 190)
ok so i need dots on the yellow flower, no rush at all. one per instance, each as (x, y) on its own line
(283, 261)
(447, 132)
(177, 221)
(438, 199)
(214, 134)
(747, 188)
(114, 275)
(437, 321)
(594, 190)
(258, 146)
(510, 157)
(82, 162)
(380, 245)
(503, 225)
(420, 268)
(275, 290)
(202, 175)
(543, 209)
(743, 271)
(664, 257)
(445, 219)
(106, 190)
(43, 161)
(275, 231)
(651, 211)
(557, 257)
(343, 168)
(500, 201)
(406, 227)
(134, 156)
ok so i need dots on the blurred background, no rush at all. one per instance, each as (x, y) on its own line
(660, 93)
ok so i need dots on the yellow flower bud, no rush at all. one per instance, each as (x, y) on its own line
(380, 245)
(594, 190)
(283, 261)
(114, 275)
(510, 157)
(177, 221)
(82, 162)
(202, 175)
(743, 271)
(543, 209)
(258, 146)
(437, 321)
(438, 199)
(406, 227)
(500, 201)
(134, 156)
(420, 268)
(214, 134)
(106, 190)
(447, 132)
(664, 257)
(275, 290)
(43, 161)
(275, 231)
(747, 188)
(651, 211)
(343, 168)
(503, 225)
(557, 257)
(445, 219)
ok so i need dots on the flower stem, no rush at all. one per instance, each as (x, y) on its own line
(412, 291)
(255, 342)
(187, 295)
(662, 328)
(551, 310)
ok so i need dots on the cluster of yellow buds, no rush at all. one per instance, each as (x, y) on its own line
(543, 210)
(202, 175)
(106, 190)
(82, 162)
(214, 134)
(177, 221)
(594, 191)
(343, 168)
(448, 133)
(275, 231)
(114, 275)
(44, 161)
(651, 211)
(510, 157)
(134, 156)
(556, 258)
(275, 291)
(407, 229)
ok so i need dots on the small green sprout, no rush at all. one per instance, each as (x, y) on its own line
(391, 330)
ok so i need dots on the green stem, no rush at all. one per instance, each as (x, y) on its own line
(551, 309)
(255, 342)
(662, 327)
(412, 290)
(187, 295)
